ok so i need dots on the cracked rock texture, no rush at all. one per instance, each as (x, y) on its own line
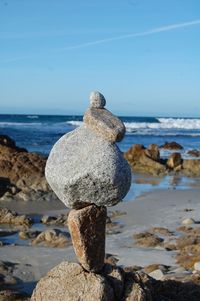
(87, 228)
(68, 281)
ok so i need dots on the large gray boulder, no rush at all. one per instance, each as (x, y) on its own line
(85, 168)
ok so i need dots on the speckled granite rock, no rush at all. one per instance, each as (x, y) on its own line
(87, 228)
(68, 281)
(84, 168)
(97, 100)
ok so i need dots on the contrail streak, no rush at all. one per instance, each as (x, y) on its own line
(127, 36)
(137, 34)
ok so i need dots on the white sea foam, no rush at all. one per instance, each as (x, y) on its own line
(75, 122)
(33, 116)
(2, 124)
(180, 123)
(165, 123)
(176, 125)
(169, 127)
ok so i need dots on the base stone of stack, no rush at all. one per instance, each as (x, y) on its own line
(68, 281)
(87, 228)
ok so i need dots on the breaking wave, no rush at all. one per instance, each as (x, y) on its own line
(75, 123)
(165, 123)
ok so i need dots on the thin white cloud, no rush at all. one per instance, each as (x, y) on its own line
(121, 37)
(137, 34)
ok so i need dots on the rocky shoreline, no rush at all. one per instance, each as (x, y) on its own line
(22, 179)
(22, 174)
(148, 160)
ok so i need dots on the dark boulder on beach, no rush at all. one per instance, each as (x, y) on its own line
(148, 160)
(52, 238)
(171, 146)
(9, 142)
(13, 218)
(21, 172)
(145, 160)
(194, 153)
(153, 152)
(174, 161)
(191, 167)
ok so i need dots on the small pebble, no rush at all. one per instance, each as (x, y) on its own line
(197, 266)
(157, 274)
(188, 221)
(97, 100)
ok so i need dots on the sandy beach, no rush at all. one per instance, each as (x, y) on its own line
(163, 208)
(154, 231)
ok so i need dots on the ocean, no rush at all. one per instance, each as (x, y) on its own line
(38, 133)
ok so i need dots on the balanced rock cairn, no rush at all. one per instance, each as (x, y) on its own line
(88, 172)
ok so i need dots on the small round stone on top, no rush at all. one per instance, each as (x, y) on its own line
(97, 100)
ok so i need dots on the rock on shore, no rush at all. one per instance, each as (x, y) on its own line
(69, 281)
(22, 173)
(12, 218)
(147, 160)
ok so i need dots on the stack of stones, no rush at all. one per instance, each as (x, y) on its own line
(88, 172)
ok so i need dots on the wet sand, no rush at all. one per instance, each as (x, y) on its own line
(162, 208)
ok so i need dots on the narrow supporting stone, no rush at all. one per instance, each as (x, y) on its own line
(87, 228)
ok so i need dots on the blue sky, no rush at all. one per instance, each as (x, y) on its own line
(143, 55)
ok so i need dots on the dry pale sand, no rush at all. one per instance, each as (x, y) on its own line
(165, 208)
